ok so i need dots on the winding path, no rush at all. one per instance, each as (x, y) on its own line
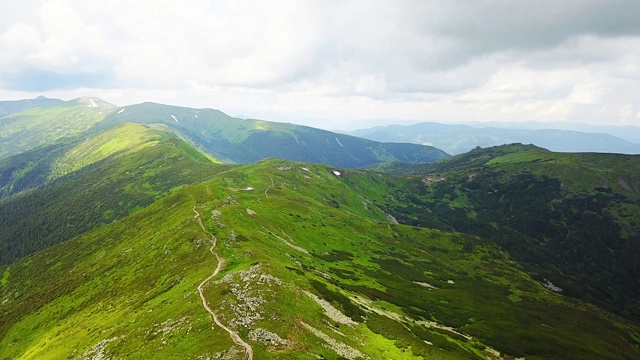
(234, 336)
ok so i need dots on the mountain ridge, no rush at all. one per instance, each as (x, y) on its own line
(10, 107)
(80, 195)
(226, 138)
(249, 140)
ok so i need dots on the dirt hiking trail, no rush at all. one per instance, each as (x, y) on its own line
(234, 336)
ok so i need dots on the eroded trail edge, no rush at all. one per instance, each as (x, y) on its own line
(234, 336)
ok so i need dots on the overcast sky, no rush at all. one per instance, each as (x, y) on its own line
(333, 64)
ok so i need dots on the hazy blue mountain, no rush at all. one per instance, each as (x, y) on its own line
(10, 107)
(626, 132)
(457, 139)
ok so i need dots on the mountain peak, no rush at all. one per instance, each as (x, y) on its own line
(93, 102)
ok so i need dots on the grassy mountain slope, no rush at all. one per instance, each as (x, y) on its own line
(226, 138)
(48, 125)
(11, 107)
(570, 218)
(101, 180)
(246, 141)
(458, 139)
(312, 269)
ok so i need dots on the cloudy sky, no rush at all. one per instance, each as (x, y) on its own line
(336, 64)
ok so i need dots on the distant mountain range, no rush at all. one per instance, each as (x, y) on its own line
(244, 141)
(626, 132)
(458, 139)
(10, 107)
(228, 139)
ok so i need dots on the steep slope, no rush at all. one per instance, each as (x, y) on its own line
(569, 218)
(11, 107)
(458, 139)
(49, 125)
(31, 168)
(103, 179)
(310, 269)
(245, 141)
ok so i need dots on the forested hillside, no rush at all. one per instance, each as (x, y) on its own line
(120, 172)
(571, 219)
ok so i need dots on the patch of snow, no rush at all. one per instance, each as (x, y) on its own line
(339, 143)
(248, 188)
(450, 282)
(197, 117)
(121, 111)
(305, 169)
(174, 118)
(336, 172)
(93, 104)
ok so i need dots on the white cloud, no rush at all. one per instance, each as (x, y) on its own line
(20, 40)
(343, 60)
(587, 93)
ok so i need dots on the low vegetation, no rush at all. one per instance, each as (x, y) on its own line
(308, 231)
(124, 241)
(570, 219)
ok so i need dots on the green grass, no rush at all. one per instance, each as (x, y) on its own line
(48, 125)
(118, 141)
(108, 177)
(306, 231)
